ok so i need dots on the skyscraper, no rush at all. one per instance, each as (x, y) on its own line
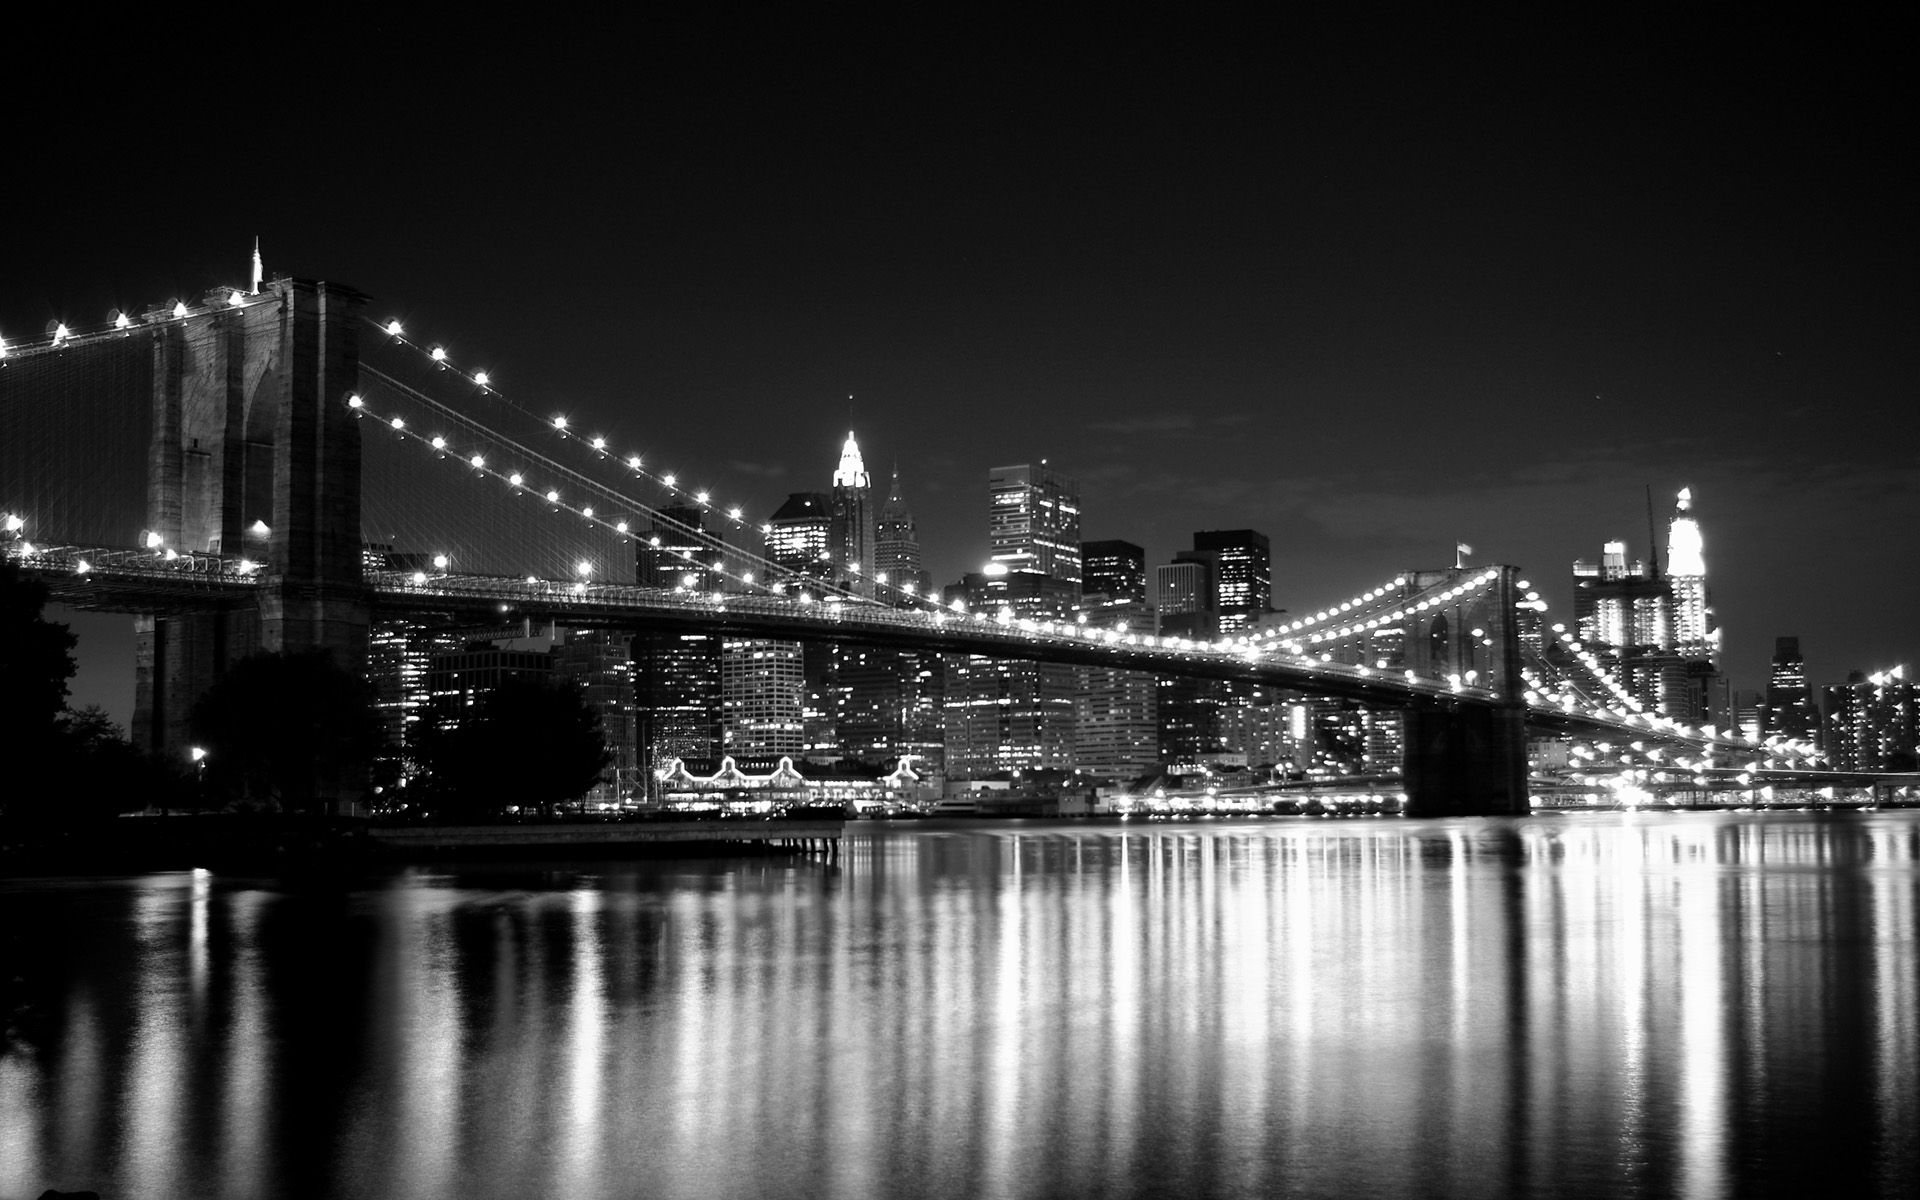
(1113, 569)
(1625, 615)
(1034, 520)
(800, 538)
(1243, 575)
(1872, 722)
(851, 531)
(1789, 711)
(896, 548)
(1696, 637)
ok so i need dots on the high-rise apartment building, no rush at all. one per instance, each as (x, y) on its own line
(1034, 520)
(1872, 722)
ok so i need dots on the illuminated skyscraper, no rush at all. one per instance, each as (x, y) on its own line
(1625, 616)
(851, 531)
(1695, 634)
(1034, 520)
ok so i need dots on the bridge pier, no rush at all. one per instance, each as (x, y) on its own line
(1467, 759)
(1467, 762)
(254, 453)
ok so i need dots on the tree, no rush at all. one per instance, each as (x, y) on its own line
(104, 774)
(36, 660)
(291, 729)
(531, 744)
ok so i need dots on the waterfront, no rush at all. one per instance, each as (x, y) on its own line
(1696, 1004)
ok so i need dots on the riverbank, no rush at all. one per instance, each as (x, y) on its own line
(256, 843)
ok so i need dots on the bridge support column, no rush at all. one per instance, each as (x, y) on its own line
(254, 453)
(1467, 762)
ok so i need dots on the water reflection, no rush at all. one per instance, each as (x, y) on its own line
(1697, 1005)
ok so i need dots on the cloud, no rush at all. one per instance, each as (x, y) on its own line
(1132, 426)
(763, 470)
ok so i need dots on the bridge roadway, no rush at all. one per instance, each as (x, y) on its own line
(116, 579)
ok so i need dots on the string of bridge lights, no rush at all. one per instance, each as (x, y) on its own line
(635, 464)
(120, 323)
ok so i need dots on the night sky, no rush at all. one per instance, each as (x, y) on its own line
(1369, 289)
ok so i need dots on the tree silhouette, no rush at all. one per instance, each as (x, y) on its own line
(291, 729)
(36, 660)
(530, 744)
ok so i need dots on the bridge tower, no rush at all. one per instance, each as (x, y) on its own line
(1467, 759)
(254, 452)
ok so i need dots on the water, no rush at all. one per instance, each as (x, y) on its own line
(1685, 1005)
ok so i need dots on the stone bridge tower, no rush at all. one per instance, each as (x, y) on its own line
(1467, 759)
(254, 453)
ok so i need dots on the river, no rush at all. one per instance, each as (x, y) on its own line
(1694, 1004)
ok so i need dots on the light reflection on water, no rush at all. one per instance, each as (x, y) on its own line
(1699, 1005)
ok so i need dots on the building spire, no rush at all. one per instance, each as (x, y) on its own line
(852, 472)
(259, 268)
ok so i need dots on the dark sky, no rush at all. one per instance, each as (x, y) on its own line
(1369, 289)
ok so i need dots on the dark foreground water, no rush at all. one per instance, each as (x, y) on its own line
(1689, 1005)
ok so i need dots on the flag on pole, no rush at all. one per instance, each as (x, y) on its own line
(1460, 552)
(1463, 548)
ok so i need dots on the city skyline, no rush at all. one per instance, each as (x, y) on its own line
(1308, 284)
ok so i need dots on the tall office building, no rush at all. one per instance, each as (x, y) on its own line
(1242, 561)
(1789, 711)
(676, 684)
(800, 539)
(1034, 520)
(896, 549)
(1116, 731)
(1114, 570)
(851, 532)
(679, 550)
(601, 662)
(1184, 601)
(1624, 614)
(762, 698)
(1003, 715)
(887, 703)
